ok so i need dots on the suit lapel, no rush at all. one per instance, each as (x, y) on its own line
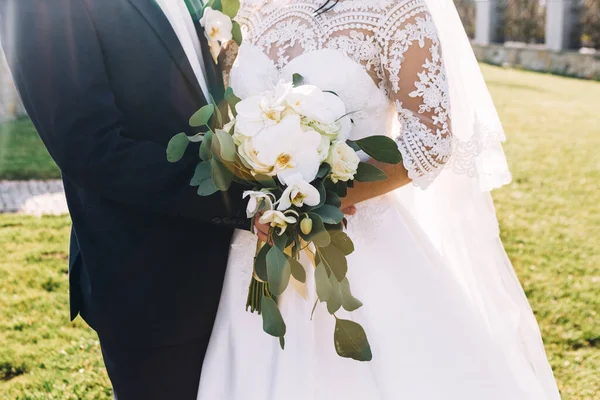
(213, 71)
(152, 13)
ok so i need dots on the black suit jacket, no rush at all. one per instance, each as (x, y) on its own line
(107, 84)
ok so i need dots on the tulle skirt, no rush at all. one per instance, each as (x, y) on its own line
(433, 336)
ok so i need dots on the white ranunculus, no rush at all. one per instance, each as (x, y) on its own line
(257, 199)
(344, 162)
(217, 26)
(284, 149)
(277, 219)
(298, 193)
(324, 147)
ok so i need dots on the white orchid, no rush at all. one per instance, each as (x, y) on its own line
(283, 150)
(344, 162)
(257, 199)
(277, 219)
(316, 105)
(299, 192)
(218, 29)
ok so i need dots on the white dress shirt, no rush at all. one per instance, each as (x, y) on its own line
(178, 15)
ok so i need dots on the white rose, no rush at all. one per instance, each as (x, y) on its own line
(217, 26)
(257, 199)
(277, 219)
(344, 162)
(298, 193)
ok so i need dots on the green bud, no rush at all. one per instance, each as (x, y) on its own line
(306, 225)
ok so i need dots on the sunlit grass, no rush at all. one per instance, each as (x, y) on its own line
(550, 219)
(22, 154)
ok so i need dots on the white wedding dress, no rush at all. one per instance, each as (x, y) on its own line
(443, 310)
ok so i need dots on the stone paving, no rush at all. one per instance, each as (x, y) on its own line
(33, 197)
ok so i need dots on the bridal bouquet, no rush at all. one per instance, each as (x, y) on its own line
(289, 146)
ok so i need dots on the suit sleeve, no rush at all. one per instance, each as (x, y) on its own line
(57, 63)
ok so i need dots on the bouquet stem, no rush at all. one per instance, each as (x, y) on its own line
(257, 290)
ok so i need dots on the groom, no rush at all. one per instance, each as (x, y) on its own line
(107, 83)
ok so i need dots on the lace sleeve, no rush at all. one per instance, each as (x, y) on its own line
(415, 80)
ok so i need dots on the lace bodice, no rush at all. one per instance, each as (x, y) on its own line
(382, 57)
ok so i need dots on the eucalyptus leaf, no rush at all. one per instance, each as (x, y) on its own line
(297, 80)
(230, 7)
(318, 184)
(266, 181)
(205, 146)
(236, 32)
(329, 214)
(334, 302)
(322, 282)
(381, 148)
(232, 100)
(260, 263)
(369, 173)
(349, 302)
(201, 174)
(217, 110)
(177, 147)
(273, 323)
(282, 342)
(223, 143)
(335, 260)
(222, 177)
(278, 271)
(342, 189)
(319, 235)
(207, 188)
(280, 241)
(353, 145)
(333, 199)
(298, 271)
(202, 116)
(342, 241)
(351, 341)
(324, 170)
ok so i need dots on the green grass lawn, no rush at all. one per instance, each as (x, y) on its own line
(22, 154)
(550, 218)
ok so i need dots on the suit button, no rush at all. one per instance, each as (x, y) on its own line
(216, 220)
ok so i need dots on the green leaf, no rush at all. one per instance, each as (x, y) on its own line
(349, 302)
(280, 241)
(205, 146)
(342, 189)
(334, 302)
(207, 188)
(278, 271)
(236, 31)
(232, 100)
(342, 241)
(318, 184)
(351, 341)
(202, 116)
(222, 177)
(354, 145)
(266, 181)
(223, 144)
(322, 282)
(329, 214)
(324, 170)
(217, 110)
(260, 263)
(282, 342)
(381, 148)
(335, 260)
(369, 173)
(319, 235)
(298, 271)
(177, 147)
(273, 322)
(297, 80)
(230, 7)
(333, 199)
(201, 174)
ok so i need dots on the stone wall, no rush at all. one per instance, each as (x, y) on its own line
(10, 104)
(538, 58)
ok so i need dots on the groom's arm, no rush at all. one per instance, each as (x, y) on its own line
(57, 64)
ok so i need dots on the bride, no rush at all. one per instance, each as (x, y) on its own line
(458, 325)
